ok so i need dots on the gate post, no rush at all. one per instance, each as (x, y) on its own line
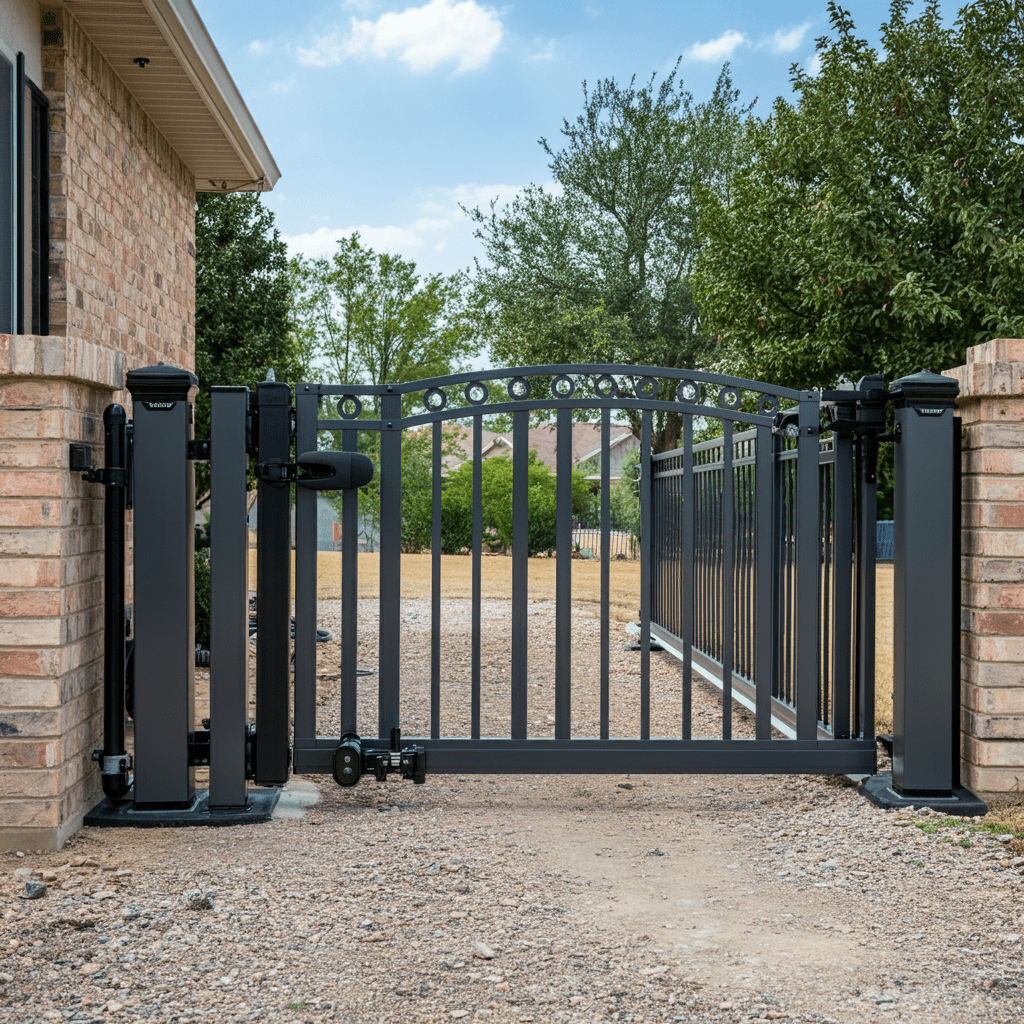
(164, 542)
(925, 585)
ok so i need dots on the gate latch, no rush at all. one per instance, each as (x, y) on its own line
(320, 471)
(351, 761)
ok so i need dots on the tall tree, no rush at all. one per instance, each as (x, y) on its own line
(371, 318)
(878, 226)
(597, 269)
(243, 303)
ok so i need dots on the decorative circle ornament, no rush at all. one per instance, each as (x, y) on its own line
(729, 398)
(563, 386)
(435, 399)
(646, 387)
(690, 392)
(349, 407)
(606, 386)
(767, 405)
(476, 393)
(518, 389)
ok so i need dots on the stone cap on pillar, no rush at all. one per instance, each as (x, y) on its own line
(924, 386)
(160, 383)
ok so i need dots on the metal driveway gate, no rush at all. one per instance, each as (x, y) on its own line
(756, 544)
(754, 570)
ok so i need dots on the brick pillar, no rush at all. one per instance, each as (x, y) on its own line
(51, 586)
(991, 404)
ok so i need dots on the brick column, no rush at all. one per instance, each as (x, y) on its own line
(52, 391)
(991, 404)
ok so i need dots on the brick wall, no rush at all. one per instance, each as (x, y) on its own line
(991, 405)
(122, 295)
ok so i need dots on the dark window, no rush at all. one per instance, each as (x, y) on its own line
(24, 202)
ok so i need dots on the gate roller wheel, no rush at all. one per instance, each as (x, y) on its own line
(348, 761)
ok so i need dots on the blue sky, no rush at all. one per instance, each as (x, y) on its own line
(384, 116)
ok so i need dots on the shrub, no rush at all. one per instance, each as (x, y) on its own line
(202, 598)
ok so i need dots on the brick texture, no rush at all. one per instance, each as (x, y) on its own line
(122, 264)
(991, 406)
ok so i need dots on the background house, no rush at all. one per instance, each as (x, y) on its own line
(114, 116)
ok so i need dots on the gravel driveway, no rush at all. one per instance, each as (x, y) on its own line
(515, 899)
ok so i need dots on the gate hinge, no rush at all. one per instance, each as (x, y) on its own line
(109, 477)
(199, 748)
(199, 450)
(352, 761)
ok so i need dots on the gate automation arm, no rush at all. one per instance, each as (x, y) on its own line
(351, 761)
(320, 471)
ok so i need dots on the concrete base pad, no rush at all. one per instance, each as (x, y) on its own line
(962, 804)
(123, 814)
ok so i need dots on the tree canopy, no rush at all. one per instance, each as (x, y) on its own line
(243, 303)
(878, 226)
(596, 268)
(370, 318)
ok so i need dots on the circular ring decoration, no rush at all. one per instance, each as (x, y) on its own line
(343, 402)
(646, 387)
(476, 393)
(518, 389)
(563, 386)
(729, 398)
(606, 386)
(690, 392)
(767, 405)
(435, 399)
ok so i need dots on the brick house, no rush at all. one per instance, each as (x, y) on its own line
(115, 115)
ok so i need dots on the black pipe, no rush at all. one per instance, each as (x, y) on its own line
(115, 777)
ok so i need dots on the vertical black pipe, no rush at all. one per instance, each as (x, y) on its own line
(116, 782)
(520, 569)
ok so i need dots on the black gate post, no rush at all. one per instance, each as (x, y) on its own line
(164, 540)
(273, 575)
(229, 617)
(924, 583)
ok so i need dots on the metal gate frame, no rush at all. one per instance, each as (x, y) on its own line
(782, 437)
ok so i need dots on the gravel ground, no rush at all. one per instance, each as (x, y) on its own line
(516, 899)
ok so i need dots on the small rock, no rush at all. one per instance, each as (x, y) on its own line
(90, 968)
(1003, 837)
(483, 951)
(24, 873)
(109, 894)
(575, 1000)
(195, 903)
(725, 1006)
(458, 1013)
(34, 890)
(651, 972)
(6, 979)
(502, 986)
(625, 785)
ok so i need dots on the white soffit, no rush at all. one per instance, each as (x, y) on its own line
(185, 89)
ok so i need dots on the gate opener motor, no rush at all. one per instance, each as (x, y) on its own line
(352, 761)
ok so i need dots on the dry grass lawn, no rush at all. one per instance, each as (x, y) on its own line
(496, 582)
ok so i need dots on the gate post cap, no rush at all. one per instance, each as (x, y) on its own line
(925, 386)
(170, 383)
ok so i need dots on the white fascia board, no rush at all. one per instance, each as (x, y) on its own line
(182, 28)
(611, 444)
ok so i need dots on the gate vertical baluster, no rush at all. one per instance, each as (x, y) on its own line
(563, 576)
(825, 582)
(728, 581)
(764, 628)
(520, 569)
(389, 658)
(605, 563)
(435, 582)
(349, 594)
(646, 495)
(808, 531)
(688, 541)
(307, 406)
(842, 446)
(478, 538)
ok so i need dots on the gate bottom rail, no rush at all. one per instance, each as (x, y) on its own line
(614, 756)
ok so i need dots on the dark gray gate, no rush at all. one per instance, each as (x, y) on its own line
(754, 569)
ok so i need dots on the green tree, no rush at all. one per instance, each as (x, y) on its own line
(370, 318)
(879, 225)
(496, 503)
(598, 269)
(243, 303)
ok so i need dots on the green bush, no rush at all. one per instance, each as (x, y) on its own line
(496, 504)
(202, 597)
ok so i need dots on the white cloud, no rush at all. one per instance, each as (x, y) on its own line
(442, 31)
(259, 47)
(786, 41)
(717, 49)
(544, 52)
(815, 66)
